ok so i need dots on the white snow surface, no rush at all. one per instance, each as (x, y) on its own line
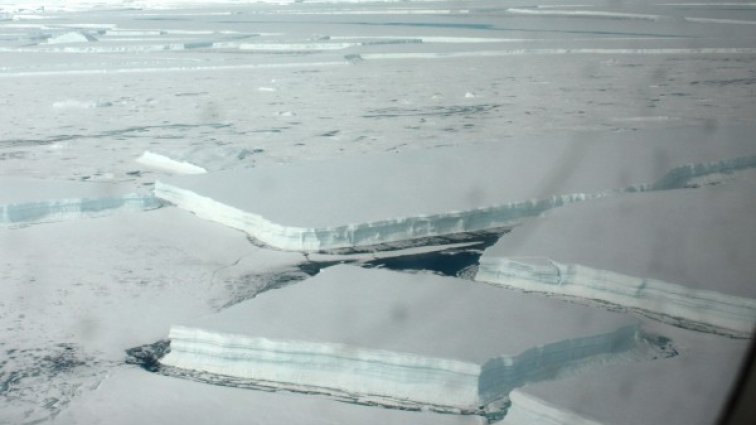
(685, 253)
(689, 388)
(76, 294)
(401, 336)
(509, 182)
(130, 396)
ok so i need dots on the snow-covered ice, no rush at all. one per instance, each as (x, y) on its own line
(689, 388)
(411, 338)
(686, 254)
(302, 206)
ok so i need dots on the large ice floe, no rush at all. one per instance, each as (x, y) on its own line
(365, 200)
(685, 255)
(27, 200)
(691, 388)
(402, 339)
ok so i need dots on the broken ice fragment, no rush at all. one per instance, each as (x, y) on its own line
(162, 162)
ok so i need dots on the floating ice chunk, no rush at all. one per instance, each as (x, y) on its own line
(699, 378)
(162, 162)
(416, 339)
(131, 396)
(583, 14)
(198, 160)
(80, 104)
(400, 197)
(682, 254)
(71, 37)
(266, 89)
(33, 201)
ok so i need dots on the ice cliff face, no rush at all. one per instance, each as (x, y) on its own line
(421, 356)
(611, 250)
(445, 197)
(20, 202)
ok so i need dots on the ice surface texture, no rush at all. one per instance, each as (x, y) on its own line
(24, 201)
(302, 206)
(684, 254)
(402, 337)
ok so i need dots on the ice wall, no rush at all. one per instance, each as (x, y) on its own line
(32, 201)
(301, 206)
(402, 339)
(681, 254)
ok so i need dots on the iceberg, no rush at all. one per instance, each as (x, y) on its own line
(197, 160)
(684, 255)
(689, 388)
(162, 162)
(71, 37)
(411, 340)
(26, 200)
(302, 206)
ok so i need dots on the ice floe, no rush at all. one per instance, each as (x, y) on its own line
(402, 338)
(510, 182)
(684, 254)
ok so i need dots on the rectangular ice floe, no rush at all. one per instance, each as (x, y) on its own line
(691, 388)
(130, 396)
(387, 198)
(411, 339)
(684, 254)
(26, 200)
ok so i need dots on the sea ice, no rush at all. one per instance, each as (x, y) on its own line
(363, 201)
(689, 388)
(684, 254)
(407, 339)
